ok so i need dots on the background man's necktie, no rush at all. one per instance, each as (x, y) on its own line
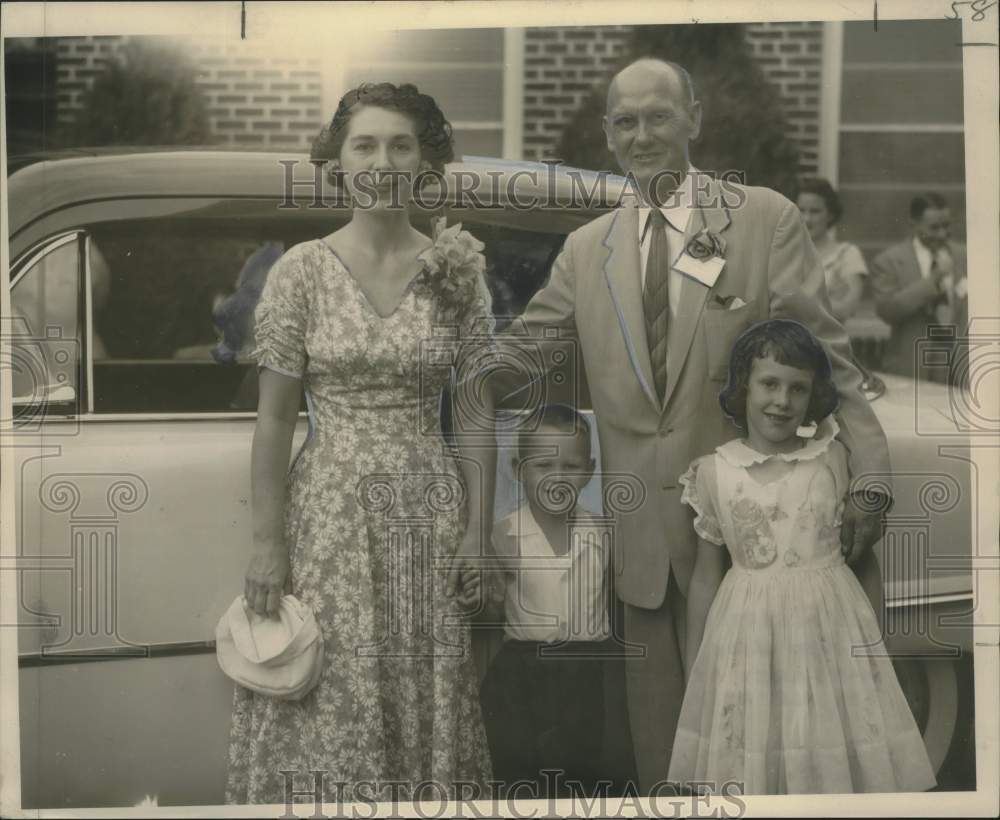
(941, 308)
(656, 298)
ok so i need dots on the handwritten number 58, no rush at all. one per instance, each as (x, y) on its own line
(979, 8)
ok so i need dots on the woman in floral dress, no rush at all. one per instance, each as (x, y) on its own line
(375, 524)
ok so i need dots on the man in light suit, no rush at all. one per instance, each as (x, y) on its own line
(655, 305)
(918, 283)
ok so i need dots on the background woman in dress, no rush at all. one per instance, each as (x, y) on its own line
(344, 317)
(843, 263)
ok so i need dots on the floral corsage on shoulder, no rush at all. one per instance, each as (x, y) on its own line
(454, 262)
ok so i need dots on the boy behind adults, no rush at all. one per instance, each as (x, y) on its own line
(543, 695)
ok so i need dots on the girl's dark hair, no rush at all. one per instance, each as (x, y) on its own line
(824, 190)
(788, 343)
(433, 130)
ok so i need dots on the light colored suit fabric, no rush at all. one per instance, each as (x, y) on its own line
(594, 296)
(903, 298)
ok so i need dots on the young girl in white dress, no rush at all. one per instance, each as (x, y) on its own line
(789, 690)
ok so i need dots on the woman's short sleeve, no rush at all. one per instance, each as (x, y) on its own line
(700, 494)
(476, 320)
(852, 262)
(477, 347)
(282, 316)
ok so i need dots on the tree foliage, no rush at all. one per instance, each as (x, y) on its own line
(148, 97)
(743, 127)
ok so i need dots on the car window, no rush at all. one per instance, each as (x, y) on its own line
(517, 265)
(45, 345)
(174, 328)
(173, 307)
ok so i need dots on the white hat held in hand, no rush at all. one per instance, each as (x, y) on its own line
(277, 656)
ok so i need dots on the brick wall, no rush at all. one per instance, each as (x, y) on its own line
(79, 60)
(791, 56)
(260, 99)
(561, 67)
(254, 98)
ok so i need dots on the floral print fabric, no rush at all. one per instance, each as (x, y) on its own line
(374, 510)
(784, 697)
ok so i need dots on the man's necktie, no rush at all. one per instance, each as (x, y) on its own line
(941, 308)
(656, 298)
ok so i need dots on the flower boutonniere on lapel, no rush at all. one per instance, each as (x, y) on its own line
(455, 259)
(704, 257)
(705, 244)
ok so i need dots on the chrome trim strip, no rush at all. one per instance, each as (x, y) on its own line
(88, 301)
(244, 415)
(44, 247)
(930, 599)
(105, 418)
(161, 417)
(30, 660)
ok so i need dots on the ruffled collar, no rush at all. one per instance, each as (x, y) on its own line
(740, 454)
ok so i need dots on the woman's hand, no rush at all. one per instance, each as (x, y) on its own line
(470, 590)
(267, 578)
(464, 566)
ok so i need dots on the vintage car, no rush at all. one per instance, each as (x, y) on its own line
(133, 277)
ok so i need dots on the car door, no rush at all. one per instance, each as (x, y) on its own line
(134, 502)
(133, 440)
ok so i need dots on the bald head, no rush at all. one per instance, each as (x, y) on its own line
(648, 70)
(651, 117)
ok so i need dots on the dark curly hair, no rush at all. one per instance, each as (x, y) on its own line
(433, 130)
(824, 190)
(788, 343)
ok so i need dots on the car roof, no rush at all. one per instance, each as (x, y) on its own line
(16, 162)
(54, 183)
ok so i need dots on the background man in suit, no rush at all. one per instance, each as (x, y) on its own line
(655, 298)
(920, 282)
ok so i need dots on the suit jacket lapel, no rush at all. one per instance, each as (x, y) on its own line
(709, 214)
(621, 270)
(912, 272)
(912, 263)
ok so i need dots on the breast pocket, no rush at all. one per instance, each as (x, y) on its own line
(721, 328)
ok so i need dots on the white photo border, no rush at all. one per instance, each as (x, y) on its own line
(292, 21)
